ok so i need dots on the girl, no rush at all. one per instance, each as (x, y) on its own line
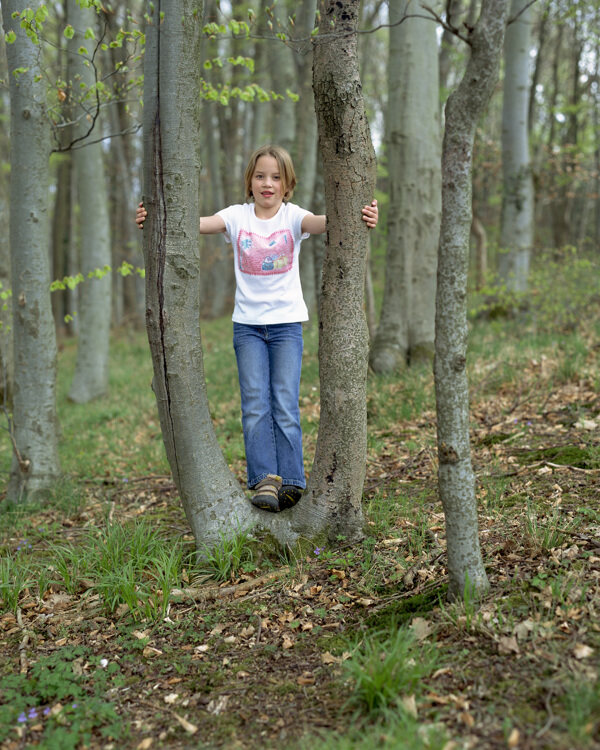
(266, 233)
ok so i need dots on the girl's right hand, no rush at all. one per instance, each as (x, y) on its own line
(140, 215)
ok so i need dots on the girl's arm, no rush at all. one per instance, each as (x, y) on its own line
(211, 224)
(208, 224)
(317, 224)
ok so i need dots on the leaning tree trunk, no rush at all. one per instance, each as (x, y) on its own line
(212, 499)
(455, 475)
(90, 379)
(516, 234)
(332, 503)
(35, 465)
(406, 327)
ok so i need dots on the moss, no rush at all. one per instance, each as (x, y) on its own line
(399, 611)
(587, 457)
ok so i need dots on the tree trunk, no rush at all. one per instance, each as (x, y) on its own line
(455, 474)
(305, 148)
(35, 465)
(406, 327)
(516, 234)
(91, 369)
(332, 503)
(212, 499)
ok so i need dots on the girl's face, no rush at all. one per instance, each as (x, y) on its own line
(267, 187)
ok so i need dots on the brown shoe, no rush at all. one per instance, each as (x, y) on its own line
(266, 496)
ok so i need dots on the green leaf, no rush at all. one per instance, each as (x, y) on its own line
(89, 33)
(69, 32)
(10, 37)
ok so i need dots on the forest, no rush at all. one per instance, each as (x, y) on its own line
(437, 585)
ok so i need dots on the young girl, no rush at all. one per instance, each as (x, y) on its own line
(266, 233)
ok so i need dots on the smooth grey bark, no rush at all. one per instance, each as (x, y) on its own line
(35, 466)
(516, 233)
(212, 499)
(305, 146)
(283, 108)
(332, 503)
(454, 11)
(90, 379)
(6, 346)
(455, 473)
(406, 326)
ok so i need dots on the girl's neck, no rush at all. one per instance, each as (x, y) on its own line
(266, 213)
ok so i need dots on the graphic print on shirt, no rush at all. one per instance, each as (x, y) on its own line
(264, 256)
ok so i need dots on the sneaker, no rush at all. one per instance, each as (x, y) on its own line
(289, 495)
(266, 494)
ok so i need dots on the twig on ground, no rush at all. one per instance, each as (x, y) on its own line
(220, 592)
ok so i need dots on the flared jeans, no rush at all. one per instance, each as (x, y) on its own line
(269, 360)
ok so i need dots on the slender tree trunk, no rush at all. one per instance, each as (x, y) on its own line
(406, 327)
(455, 475)
(478, 231)
(91, 369)
(35, 465)
(61, 223)
(453, 18)
(332, 503)
(516, 234)
(305, 147)
(212, 499)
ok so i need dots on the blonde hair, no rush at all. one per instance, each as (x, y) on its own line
(286, 169)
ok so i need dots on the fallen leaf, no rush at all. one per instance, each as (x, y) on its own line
(202, 648)
(513, 738)
(328, 658)
(218, 705)
(581, 651)
(507, 644)
(139, 634)
(467, 719)
(544, 470)
(145, 744)
(409, 704)
(586, 424)
(340, 574)
(287, 642)
(522, 629)
(421, 628)
(150, 651)
(187, 725)
(171, 698)
(306, 678)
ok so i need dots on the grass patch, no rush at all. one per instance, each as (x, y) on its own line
(88, 575)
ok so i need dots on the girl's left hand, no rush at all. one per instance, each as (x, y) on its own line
(370, 214)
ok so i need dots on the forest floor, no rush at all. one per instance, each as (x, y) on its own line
(350, 646)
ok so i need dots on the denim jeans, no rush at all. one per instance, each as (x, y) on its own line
(269, 360)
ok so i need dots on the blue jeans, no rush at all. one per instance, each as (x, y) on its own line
(269, 360)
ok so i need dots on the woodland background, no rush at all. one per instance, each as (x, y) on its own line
(111, 631)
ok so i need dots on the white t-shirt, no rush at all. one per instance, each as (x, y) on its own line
(267, 273)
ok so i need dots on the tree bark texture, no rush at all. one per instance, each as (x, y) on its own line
(212, 499)
(333, 497)
(90, 379)
(516, 233)
(455, 474)
(35, 465)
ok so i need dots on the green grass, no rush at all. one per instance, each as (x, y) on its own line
(386, 670)
(114, 538)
